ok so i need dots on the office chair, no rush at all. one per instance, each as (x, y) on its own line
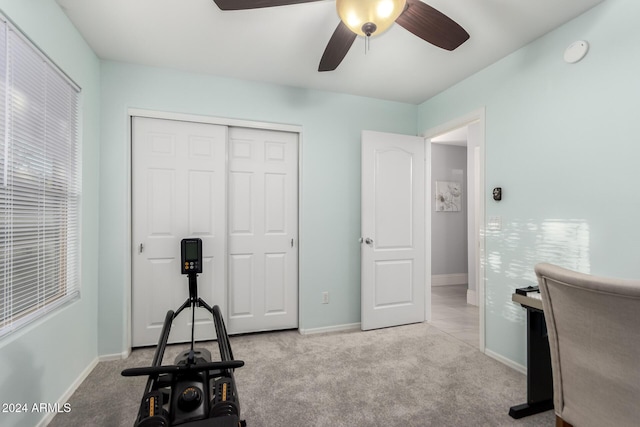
(594, 337)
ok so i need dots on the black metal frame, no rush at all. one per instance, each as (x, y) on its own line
(539, 371)
(162, 403)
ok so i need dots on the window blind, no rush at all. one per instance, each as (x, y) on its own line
(39, 183)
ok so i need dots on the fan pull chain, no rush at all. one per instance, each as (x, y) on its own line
(368, 28)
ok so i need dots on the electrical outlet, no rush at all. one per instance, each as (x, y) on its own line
(325, 297)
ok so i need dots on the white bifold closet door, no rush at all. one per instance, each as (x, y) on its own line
(178, 191)
(263, 230)
(234, 188)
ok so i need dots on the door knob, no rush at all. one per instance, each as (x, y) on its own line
(368, 241)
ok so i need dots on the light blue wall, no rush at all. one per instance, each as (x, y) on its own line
(330, 203)
(562, 141)
(40, 362)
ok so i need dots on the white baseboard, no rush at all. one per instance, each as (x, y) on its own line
(449, 279)
(336, 328)
(69, 392)
(472, 297)
(510, 363)
(115, 356)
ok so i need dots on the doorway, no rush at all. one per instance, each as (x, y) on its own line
(456, 168)
(234, 188)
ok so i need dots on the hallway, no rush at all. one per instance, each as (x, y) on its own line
(452, 314)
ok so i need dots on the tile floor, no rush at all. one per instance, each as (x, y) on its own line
(452, 314)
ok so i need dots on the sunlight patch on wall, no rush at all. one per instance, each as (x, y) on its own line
(519, 245)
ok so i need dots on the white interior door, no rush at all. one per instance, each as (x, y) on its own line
(263, 230)
(393, 230)
(178, 191)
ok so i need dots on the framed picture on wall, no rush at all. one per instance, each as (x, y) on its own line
(448, 196)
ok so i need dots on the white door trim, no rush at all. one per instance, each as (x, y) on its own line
(214, 120)
(127, 251)
(474, 116)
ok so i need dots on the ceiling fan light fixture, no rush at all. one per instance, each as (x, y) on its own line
(357, 14)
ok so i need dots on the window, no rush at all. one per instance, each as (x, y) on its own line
(39, 183)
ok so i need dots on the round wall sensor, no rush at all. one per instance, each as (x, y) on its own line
(576, 51)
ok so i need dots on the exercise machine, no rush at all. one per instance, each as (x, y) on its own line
(194, 391)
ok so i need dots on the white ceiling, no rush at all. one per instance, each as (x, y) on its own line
(283, 45)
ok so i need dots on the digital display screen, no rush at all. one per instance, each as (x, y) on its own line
(191, 250)
(191, 256)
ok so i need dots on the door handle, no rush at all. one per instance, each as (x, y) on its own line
(368, 241)
(141, 248)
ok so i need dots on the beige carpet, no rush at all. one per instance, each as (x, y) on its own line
(413, 375)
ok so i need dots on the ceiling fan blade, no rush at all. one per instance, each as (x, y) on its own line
(432, 25)
(337, 48)
(255, 4)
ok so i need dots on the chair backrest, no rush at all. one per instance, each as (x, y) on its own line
(594, 337)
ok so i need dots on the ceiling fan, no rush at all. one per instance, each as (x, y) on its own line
(375, 17)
